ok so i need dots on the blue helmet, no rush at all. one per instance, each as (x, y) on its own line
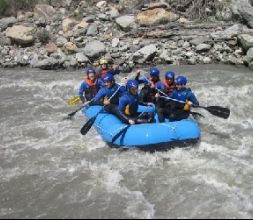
(131, 84)
(181, 80)
(90, 70)
(109, 77)
(154, 72)
(170, 75)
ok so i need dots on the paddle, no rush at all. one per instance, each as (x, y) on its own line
(218, 111)
(124, 130)
(87, 126)
(71, 115)
(74, 100)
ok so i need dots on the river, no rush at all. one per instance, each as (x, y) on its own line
(49, 170)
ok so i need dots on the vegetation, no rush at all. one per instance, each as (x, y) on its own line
(43, 36)
(10, 7)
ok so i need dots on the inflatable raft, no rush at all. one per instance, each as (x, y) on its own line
(143, 135)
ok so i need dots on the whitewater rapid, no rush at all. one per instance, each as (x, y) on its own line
(49, 170)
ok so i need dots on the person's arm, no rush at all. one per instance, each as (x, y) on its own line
(82, 89)
(101, 94)
(191, 97)
(123, 102)
(114, 70)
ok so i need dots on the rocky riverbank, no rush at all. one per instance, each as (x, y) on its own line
(74, 34)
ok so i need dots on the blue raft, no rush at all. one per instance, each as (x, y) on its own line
(143, 135)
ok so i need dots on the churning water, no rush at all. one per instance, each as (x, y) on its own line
(49, 170)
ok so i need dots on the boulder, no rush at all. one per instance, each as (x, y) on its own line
(126, 22)
(94, 49)
(244, 10)
(249, 56)
(7, 22)
(145, 54)
(68, 24)
(203, 48)
(69, 48)
(44, 10)
(156, 16)
(246, 41)
(20, 34)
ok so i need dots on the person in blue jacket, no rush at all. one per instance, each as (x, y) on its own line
(128, 106)
(90, 86)
(177, 111)
(168, 87)
(152, 85)
(109, 95)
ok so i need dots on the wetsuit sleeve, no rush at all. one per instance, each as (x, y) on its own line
(160, 86)
(101, 83)
(191, 97)
(82, 89)
(101, 94)
(114, 71)
(123, 102)
(143, 81)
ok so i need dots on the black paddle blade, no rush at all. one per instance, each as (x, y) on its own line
(219, 111)
(120, 133)
(71, 115)
(88, 125)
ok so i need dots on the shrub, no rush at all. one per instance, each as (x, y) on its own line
(43, 36)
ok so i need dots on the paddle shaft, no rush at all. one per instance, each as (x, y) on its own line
(215, 110)
(87, 126)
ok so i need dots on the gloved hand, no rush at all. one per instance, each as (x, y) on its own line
(187, 106)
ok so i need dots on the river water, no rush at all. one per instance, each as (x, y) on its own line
(49, 170)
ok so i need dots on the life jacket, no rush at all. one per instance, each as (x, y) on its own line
(103, 72)
(132, 107)
(152, 91)
(169, 88)
(91, 92)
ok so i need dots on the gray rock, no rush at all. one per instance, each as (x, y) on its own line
(207, 60)
(92, 30)
(145, 54)
(7, 22)
(61, 41)
(115, 42)
(244, 10)
(249, 56)
(114, 13)
(47, 64)
(126, 22)
(246, 41)
(203, 48)
(200, 40)
(81, 58)
(94, 49)
(229, 33)
(166, 57)
(20, 34)
(45, 11)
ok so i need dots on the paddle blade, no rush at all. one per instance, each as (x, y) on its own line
(74, 100)
(120, 133)
(71, 115)
(88, 125)
(219, 111)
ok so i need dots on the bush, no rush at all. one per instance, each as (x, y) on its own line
(4, 7)
(10, 7)
(43, 36)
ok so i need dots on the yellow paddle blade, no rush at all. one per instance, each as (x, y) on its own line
(74, 100)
